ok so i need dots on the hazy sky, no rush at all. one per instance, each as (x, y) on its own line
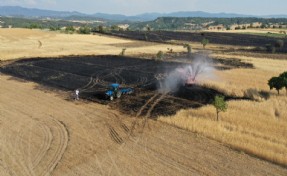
(132, 7)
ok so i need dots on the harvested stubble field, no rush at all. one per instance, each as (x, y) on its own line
(43, 132)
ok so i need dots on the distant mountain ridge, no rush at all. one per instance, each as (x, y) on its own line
(29, 12)
(17, 11)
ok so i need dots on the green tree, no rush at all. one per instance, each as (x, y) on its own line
(284, 76)
(220, 105)
(188, 47)
(204, 42)
(277, 83)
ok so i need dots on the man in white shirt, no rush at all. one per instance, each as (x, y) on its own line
(77, 94)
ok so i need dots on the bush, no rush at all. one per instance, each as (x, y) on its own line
(188, 47)
(54, 28)
(160, 55)
(70, 29)
(270, 48)
(279, 44)
(122, 53)
(101, 29)
(204, 42)
(84, 30)
(35, 26)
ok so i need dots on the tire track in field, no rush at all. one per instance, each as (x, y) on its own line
(59, 143)
(4, 156)
(146, 104)
(156, 101)
(12, 152)
(45, 146)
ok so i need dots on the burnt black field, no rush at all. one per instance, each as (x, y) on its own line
(213, 37)
(92, 75)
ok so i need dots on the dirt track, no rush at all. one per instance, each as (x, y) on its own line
(43, 134)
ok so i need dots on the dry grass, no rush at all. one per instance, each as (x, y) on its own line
(24, 43)
(256, 127)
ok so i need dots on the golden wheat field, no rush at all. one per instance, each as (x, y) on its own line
(36, 43)
(42, 132)
(255, 127)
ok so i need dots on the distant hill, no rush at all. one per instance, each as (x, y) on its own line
(198, 23)
(17, 11)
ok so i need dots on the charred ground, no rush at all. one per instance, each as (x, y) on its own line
(92, 75)
(213, 37)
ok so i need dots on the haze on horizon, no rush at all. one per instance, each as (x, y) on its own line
(134, 7)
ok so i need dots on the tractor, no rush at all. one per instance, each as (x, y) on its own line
(115, 91)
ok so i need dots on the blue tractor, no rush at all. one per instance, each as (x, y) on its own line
(116, 92)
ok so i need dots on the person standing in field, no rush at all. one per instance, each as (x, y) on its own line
(77, 94)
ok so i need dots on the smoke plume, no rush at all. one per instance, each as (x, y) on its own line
(200, 69)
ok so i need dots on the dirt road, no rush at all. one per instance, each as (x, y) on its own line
(42, 133)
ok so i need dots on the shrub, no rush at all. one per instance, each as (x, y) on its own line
(270, 48)
(101, 29)
(204, 42)
(279, 44)
(188, 47)
(54, 28)
(84, 30)
(170, 50)
(70, 29)
(160, 55)
(122, 53)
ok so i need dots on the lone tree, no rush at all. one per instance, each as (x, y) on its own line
(188, 47)
(220, 105)
(204, 42)
(277, 83)
(284, 76)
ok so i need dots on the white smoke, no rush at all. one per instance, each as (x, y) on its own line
(200, 69)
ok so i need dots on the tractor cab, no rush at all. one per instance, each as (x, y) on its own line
(113, 91)
(114, 87)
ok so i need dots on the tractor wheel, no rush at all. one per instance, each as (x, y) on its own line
(119, 94)
(111, 98)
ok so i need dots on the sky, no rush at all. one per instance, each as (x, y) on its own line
(134, 7)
